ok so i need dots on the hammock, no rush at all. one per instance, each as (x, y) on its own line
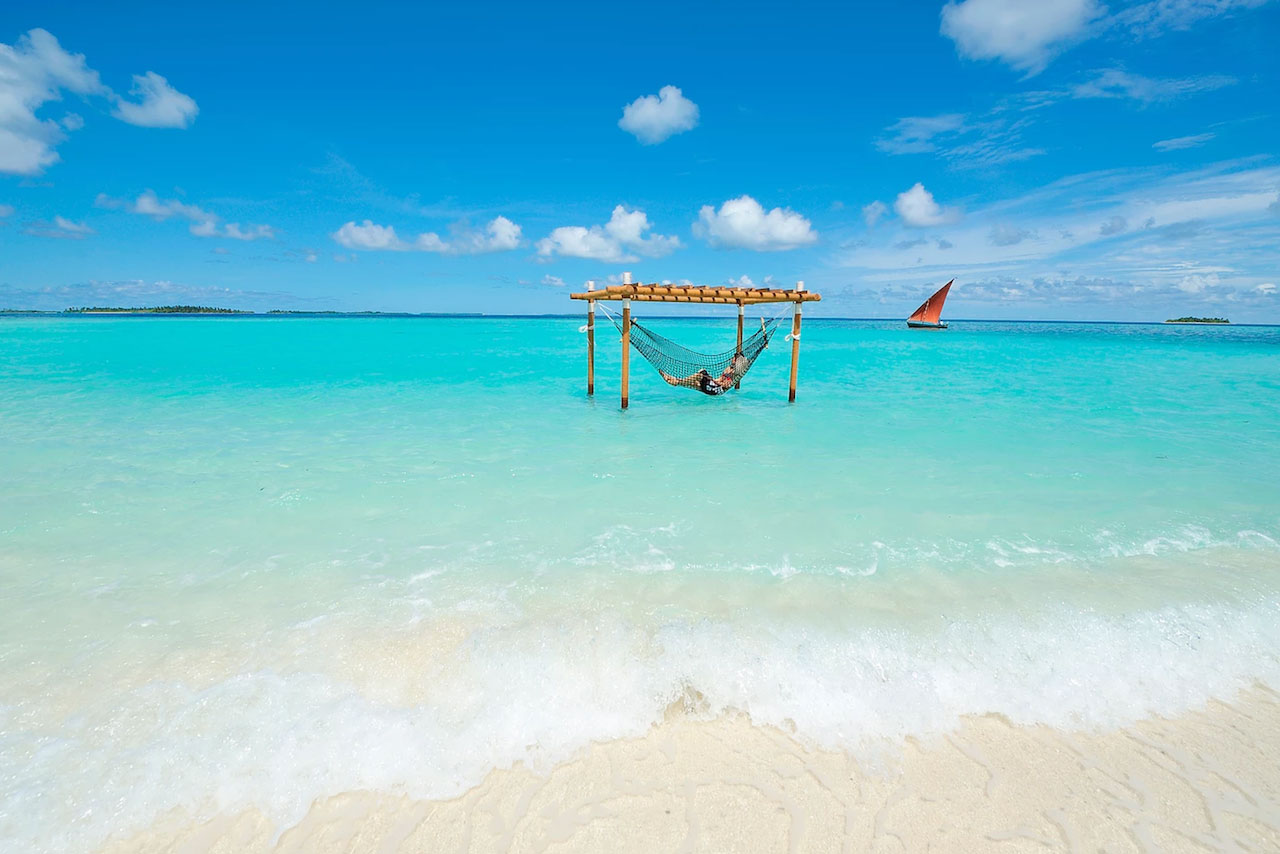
(709, 373)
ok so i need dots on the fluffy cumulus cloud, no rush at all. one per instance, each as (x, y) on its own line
(368, 236)
(36, 71)
(654, 118)
(1024, 35)
(157, 104)
(33, 72)
(622, 239)
(499, 235)
(743, 223)
(919, 209)
(203, 222)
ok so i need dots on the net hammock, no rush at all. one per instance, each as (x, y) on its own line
(709, 373)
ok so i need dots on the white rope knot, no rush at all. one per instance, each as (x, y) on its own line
(793, 336)
(586, 327)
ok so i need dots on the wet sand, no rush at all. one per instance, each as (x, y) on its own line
(1208, 780)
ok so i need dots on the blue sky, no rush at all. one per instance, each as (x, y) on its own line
(1064, 159)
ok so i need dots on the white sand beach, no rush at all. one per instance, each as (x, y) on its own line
(1206, 781)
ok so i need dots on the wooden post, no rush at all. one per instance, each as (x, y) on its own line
(741, 310)
(591, 342)
(795, 345)
(626, 350)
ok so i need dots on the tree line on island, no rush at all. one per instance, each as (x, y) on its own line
(158, 309)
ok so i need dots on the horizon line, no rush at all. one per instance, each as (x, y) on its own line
(144, 311)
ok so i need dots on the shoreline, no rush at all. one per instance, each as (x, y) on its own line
(1209, 778)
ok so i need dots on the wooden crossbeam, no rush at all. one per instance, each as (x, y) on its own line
(697, 294)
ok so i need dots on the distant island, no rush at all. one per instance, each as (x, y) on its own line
(159, 309)
(1198, 320)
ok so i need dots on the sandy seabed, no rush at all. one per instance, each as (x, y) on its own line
(1207, 780)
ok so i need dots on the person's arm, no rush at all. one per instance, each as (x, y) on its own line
(733, 373)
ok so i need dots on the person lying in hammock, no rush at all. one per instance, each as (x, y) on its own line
(703, 382)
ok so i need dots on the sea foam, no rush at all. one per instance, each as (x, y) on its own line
(427, 707)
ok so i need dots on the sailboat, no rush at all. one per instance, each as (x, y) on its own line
(926, 316)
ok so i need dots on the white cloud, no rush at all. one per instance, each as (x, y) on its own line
(499, 235)
(917, 208)
(743, 223)
(249, 232)
(6, 211)
(619, 240)
(1274, 207)
(1025, 35)
(743, 281)
(36, 71)
(149, 204)
(203, 223)
(61, 229)
(159, 105)
(368, 236)
(871, 213)
(1116, 83)
(553, 281)
(1122, 237)
(1180, 142)
(654, 118)
(75, 227)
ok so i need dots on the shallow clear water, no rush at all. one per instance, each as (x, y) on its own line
(253, 561)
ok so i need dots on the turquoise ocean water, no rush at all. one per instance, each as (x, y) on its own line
(254, 561)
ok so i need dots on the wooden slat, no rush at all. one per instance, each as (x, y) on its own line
(682, 293)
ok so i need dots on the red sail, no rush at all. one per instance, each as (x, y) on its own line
(931, 310)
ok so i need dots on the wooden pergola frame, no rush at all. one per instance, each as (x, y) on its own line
(705, 294)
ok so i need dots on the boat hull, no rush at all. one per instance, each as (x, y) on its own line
(920, 324)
